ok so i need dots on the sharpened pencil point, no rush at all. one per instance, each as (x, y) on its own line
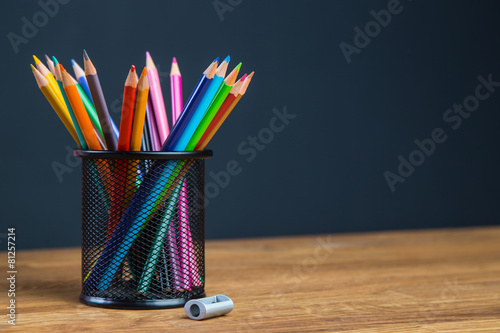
(174, 60)
(55, 61)
(32, 68)
(144, 71)
(238, 67)
(228, 58)
(85, 55)
(243, 77)
(216, 60)
(148, 55)
(72, 62)
(37, 61)
(132, 69)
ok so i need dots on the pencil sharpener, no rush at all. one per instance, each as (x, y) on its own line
(208, 307)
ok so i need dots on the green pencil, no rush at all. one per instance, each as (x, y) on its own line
(213, 108)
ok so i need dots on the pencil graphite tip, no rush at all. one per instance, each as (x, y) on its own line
(47, 57)
(62, 69)
(37, 61)
(32, 68)
(144, 72)
(148, 55)
(174, 60)
(238, 67)
(243, 77)
(216, 60)
(55, 60)
(132, 69)
(85, 55)
(72, 62)
(228, 58)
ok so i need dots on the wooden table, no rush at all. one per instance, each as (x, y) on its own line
(411, 281)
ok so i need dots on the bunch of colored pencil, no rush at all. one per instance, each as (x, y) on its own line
(81, 106)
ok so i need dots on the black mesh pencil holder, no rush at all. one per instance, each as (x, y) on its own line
(143, 228)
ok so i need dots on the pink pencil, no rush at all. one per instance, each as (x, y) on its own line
(157, 99)
(176, 90)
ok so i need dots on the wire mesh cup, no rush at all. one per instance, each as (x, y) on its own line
(143, 228)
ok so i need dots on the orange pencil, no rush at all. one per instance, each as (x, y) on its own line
(80, 111)
(128, 106)
(140, 111)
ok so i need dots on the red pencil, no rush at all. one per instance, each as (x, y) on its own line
(128, 106)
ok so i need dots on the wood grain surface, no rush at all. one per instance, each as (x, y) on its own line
(411, 281)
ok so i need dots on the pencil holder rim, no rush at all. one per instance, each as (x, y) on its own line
(143, 155)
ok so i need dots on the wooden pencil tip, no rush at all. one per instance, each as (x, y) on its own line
(174, 60)
(72, 62)
(144, 71)
(85, 55)
(228, 58)
(243, 77)
(33, 69)
(216, 60)
(148, 55)
(37, 61)
(132, 69)
(48, 58)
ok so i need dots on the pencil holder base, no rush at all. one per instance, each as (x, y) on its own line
(136, 305)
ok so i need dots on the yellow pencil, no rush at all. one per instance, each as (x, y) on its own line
(52, 80)
(59, 108)
(140, 111)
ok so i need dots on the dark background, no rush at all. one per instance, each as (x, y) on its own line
(324, 172)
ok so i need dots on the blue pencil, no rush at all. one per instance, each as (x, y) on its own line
(190, 107)
(202, 107)
(80, 77)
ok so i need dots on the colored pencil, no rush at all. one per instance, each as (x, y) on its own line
(231, 100)
(80, 111)
(190, 106)
(202, 107)
(80, 77)
(157, 246)
(157, 99)
(146, 140)
(127, 118)
(51, 66)
(100, 103)
(49, 76)
(175, 90)
(57, 70)
(140, 111)
(153, 130)
(89, 106)
(214, 106)
(59, 108)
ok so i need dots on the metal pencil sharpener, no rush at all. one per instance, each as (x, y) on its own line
(208, 307)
